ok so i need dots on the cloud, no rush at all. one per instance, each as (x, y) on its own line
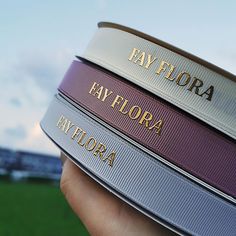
(44, 69)
(32, 139)
(15, 102)
(28, 84)
(102, 4)
(36, 140)
(33, 76)
(17, 132)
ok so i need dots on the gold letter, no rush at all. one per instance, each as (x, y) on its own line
(209, 92)
(168, 76)
(61, 120)
(106, 94)
(150, 61)
(62, 123)
(111, 157)
(81, 138)
(94, 87)
(162, 67)
(180, 76)
(134, 53)
(140, 58)
(147, 119)
(137, 114)
(98, 92)
(117, 100)
(69, 126)
(93, 144)
(197, 83)
(123, 106)
(158, 125)
(101, 148)
(76, 132)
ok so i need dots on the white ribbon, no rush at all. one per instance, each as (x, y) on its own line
(193, 87)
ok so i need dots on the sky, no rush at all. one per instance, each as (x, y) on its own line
(39, 39)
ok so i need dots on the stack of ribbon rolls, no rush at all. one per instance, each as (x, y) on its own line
(153, 124)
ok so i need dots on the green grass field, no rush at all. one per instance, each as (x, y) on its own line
(36, 209)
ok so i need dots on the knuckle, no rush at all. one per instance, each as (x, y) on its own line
(64, 185)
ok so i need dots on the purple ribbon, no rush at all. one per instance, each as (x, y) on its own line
(170, 133)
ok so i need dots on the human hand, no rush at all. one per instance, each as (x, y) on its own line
(102, 212)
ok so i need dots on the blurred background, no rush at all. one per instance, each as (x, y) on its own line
(38, 41)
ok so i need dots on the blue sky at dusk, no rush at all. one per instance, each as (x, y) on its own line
(38, 41)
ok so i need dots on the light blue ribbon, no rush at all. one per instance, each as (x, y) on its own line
(146, 182)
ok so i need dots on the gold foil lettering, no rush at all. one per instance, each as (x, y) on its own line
(133, 54)
(117, 100)
(197, 83)
(69, 126)
(94, 87)
(123, 106)
(133, 113)
(88, 146)
(138, 112)
(98, 92)
(111, 157)
(150, 61)
(147, 116)
(101, 148)
(81, 138)
(170, 72)
(158, 126)
(183, 78)
(62, 122)
(77, 131)
(107, 93)
(208, 92)
(140, 58)
(162, 67)
(61, 119)
(180, 76)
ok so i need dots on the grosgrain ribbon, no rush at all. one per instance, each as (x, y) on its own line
(158, 68)
(183, 141)
(145, 181)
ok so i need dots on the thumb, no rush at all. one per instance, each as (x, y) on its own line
(102, 212)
